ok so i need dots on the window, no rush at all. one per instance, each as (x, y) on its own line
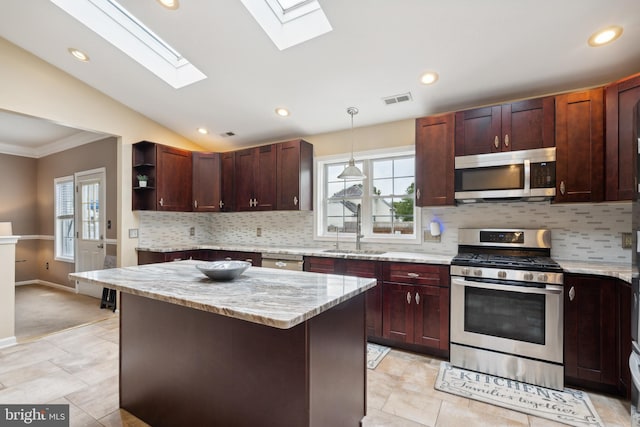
(386, 198)
(64, 220)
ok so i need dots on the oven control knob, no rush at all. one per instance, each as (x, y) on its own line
(477, 272)
(502, 274)
(464, 271)
(528, 276)
(542, 277)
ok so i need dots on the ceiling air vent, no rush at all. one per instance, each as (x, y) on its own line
(403, 97)
(226, 134)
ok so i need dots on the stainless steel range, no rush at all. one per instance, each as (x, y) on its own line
(507, 306)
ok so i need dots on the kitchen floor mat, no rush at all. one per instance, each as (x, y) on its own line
(571, 407)
(375, 354)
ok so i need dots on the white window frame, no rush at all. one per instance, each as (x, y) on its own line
(320, 233)
(57, 220)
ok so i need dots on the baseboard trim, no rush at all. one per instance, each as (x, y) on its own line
(8, 342)
(45, 283)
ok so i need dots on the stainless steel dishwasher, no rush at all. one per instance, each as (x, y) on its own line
(283, 261)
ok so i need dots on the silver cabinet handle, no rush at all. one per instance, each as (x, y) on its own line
(250, 203)
(572, 293)
(281, 264)
(227, 258)
(562, 188)
(417, 298)
(195, 204)
(506, 140)
(408, 297)
(221, 204)
(496, 142)
(295, 201)
(249, 260)
(414, 275)
(418, 194)
(161, 202)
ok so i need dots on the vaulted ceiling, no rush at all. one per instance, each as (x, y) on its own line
(484, 52)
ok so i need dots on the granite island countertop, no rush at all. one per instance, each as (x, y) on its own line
(272, 297)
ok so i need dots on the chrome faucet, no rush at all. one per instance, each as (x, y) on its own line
(358, 226)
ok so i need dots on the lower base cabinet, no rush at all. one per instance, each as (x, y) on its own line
(416, 305)
(150, 257)
(597, 340)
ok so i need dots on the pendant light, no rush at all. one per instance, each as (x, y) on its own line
(351, 171)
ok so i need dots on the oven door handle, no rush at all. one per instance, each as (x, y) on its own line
(548, 289)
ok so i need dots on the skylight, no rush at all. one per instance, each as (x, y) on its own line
(115, 24)
(289, 22)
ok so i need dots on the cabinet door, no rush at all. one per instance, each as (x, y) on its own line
(528, 124)
(244, 172)
(173, 175)
(227, 200)
(478, 131)
(590, 329)
(320, 265)
(369, 269)
(397, 312)
(206, 182)
(435, 161)
(431, 320)
(624, 322)
(579, 146)
(623, 124)
(265, 178)
(294, 186)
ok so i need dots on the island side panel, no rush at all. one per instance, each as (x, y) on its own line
(181, 366)
(338, 347)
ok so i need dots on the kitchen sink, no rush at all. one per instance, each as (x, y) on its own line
(354, 251)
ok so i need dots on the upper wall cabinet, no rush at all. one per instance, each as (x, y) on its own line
(520, 125)
(294, 176)
(435, 160)
(622, 122)
(227, 181)
(169, 173)
(579, 146)
(206, 182)
(255, 178)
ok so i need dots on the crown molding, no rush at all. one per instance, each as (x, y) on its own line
(75, 140)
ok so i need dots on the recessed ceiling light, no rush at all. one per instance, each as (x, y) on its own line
(203, 131)
(429, 77)
(78, 54)
(170, 4)
(606, 36)
(282, 112)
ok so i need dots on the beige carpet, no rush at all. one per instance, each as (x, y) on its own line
(42, 310)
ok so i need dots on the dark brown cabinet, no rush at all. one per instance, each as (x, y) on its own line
(520, 125)
(579, 146)
(255, 178)
(622, 124)
(435, 160)
(255, 258)
(227, 182)
(416, 305)
(597, 340)
(206, 182)
(294, 176)
(169, 171)
(149, 257)
(360, 268)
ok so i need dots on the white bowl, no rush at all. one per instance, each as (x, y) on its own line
(223, 270)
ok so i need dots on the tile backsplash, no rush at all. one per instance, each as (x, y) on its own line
(580, 232)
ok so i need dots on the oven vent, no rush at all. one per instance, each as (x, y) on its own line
(395, 99)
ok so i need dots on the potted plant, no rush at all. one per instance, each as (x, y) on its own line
(142, 180)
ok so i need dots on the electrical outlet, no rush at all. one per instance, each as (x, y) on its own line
(626, 241)
(259, 232)
(46, 265)
(133, 233)
(192, 231)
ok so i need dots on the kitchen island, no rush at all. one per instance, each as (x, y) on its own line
(271, 348)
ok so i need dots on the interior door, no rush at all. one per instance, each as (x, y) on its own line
(90, 225)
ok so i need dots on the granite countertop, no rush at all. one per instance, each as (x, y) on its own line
(617, 270)
(271, 297)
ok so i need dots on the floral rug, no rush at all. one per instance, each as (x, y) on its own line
(572, 407)
(375, 354)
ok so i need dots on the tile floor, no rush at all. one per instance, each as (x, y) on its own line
(79, 367)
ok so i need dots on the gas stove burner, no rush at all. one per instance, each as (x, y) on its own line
(534, 263)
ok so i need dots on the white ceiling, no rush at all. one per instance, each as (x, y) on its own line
(485, 52)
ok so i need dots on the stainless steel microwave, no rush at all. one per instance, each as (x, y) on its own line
(510, 175)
